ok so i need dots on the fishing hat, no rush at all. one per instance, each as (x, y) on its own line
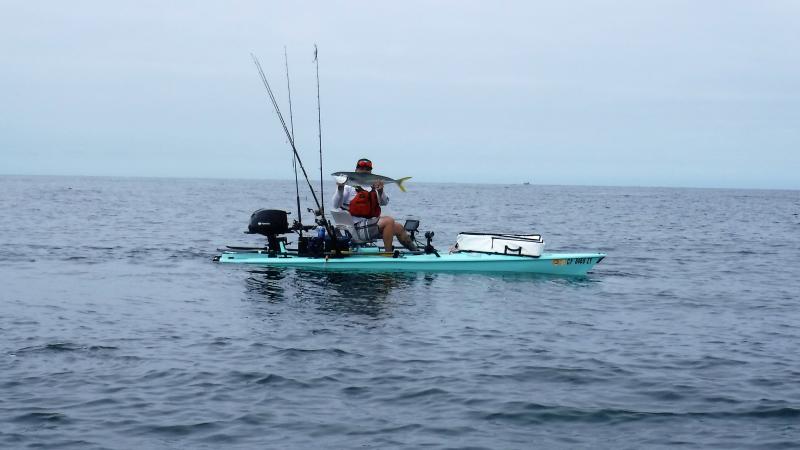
(364, 163)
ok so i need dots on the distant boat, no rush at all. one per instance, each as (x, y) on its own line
(527, 183)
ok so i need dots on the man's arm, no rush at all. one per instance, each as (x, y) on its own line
(338, 196)
(383, 199)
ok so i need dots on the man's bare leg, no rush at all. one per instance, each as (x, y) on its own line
(386, 225)
(404, 238)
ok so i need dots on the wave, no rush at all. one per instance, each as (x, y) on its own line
(534, 413)
(58, 347)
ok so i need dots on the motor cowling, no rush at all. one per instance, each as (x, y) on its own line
(269, 222)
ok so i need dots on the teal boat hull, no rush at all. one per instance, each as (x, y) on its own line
(548, 263)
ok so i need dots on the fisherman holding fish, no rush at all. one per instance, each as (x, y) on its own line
(364, 205)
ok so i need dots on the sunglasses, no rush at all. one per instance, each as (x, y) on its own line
(364, 165)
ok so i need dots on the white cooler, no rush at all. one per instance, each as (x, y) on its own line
(503, 244)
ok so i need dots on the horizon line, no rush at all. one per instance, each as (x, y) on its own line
(179, 177)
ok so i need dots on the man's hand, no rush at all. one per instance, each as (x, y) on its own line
(378, 185)
(340, 181)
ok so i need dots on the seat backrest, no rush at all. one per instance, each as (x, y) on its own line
(345, 221)
(342, 217)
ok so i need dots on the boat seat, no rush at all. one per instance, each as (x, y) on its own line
(344, 221)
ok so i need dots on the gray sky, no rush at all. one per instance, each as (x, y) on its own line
(662, 93)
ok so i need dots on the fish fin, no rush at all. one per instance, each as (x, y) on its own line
(400, 183)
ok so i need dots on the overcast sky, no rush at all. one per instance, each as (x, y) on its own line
(654, 93)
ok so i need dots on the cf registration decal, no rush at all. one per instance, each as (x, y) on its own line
(568, 261)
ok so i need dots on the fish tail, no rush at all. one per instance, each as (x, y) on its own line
(400, 183)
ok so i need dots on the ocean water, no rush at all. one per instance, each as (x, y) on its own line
(118, 331)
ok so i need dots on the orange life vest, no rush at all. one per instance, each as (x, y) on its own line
(365, 204)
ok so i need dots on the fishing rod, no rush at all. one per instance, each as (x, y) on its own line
(319, 128)
(291, 123)
(285, 128)
(324, 222)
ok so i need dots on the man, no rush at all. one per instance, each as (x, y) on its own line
(386, 227)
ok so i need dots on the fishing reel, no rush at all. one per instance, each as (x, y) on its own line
(297, 226)
(319, 217)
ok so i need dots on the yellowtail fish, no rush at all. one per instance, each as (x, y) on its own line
(367, 179)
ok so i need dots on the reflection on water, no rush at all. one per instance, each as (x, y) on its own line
(540, 278)
(348, 292)
(375, 293)
(267, 283)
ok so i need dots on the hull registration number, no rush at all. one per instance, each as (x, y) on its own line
(569, 261)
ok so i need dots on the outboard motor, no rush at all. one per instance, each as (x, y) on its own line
(269, 223)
